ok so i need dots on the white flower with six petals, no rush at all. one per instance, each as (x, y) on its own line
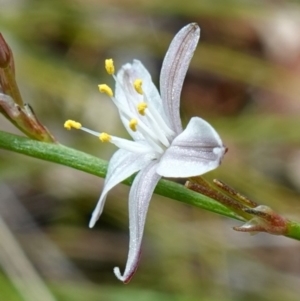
(160, 147)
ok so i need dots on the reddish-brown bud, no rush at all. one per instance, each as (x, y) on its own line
(5, 53)
(264, 219)
(259, 218)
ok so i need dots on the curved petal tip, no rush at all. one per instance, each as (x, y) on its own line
(125, 278)
(118, 274)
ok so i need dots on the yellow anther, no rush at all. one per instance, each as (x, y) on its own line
(132, 124)
(109, 66)
(104, 137)
(106, 89)
(138, 86)
(141, 107)
(72, 124)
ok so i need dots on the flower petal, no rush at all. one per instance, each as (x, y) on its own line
(197, 150)
(121, 166)
(173, 72)
(139, 199)
(127, 96)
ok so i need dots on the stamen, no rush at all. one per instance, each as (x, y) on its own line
(138, 86)
(69, 124)
(106, 89)
(131, 146)
(104, 137)
(94, 133)
(160, 127)
(157, 118)
(109, 66)
(132, 124)
(150, 137)
(141, 107)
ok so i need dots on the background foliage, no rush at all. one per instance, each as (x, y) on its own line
(244, 79)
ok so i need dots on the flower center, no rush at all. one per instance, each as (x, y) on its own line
(146, 121)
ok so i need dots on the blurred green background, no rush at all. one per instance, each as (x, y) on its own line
(244, 79)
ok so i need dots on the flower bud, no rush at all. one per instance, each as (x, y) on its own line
(5, 53)
(265, 219)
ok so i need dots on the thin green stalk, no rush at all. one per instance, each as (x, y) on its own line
(293, 230)
(70, 157)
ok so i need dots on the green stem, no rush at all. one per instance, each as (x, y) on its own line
(293, 230)
(67, 156)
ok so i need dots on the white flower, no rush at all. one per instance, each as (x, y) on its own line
(160, 147)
